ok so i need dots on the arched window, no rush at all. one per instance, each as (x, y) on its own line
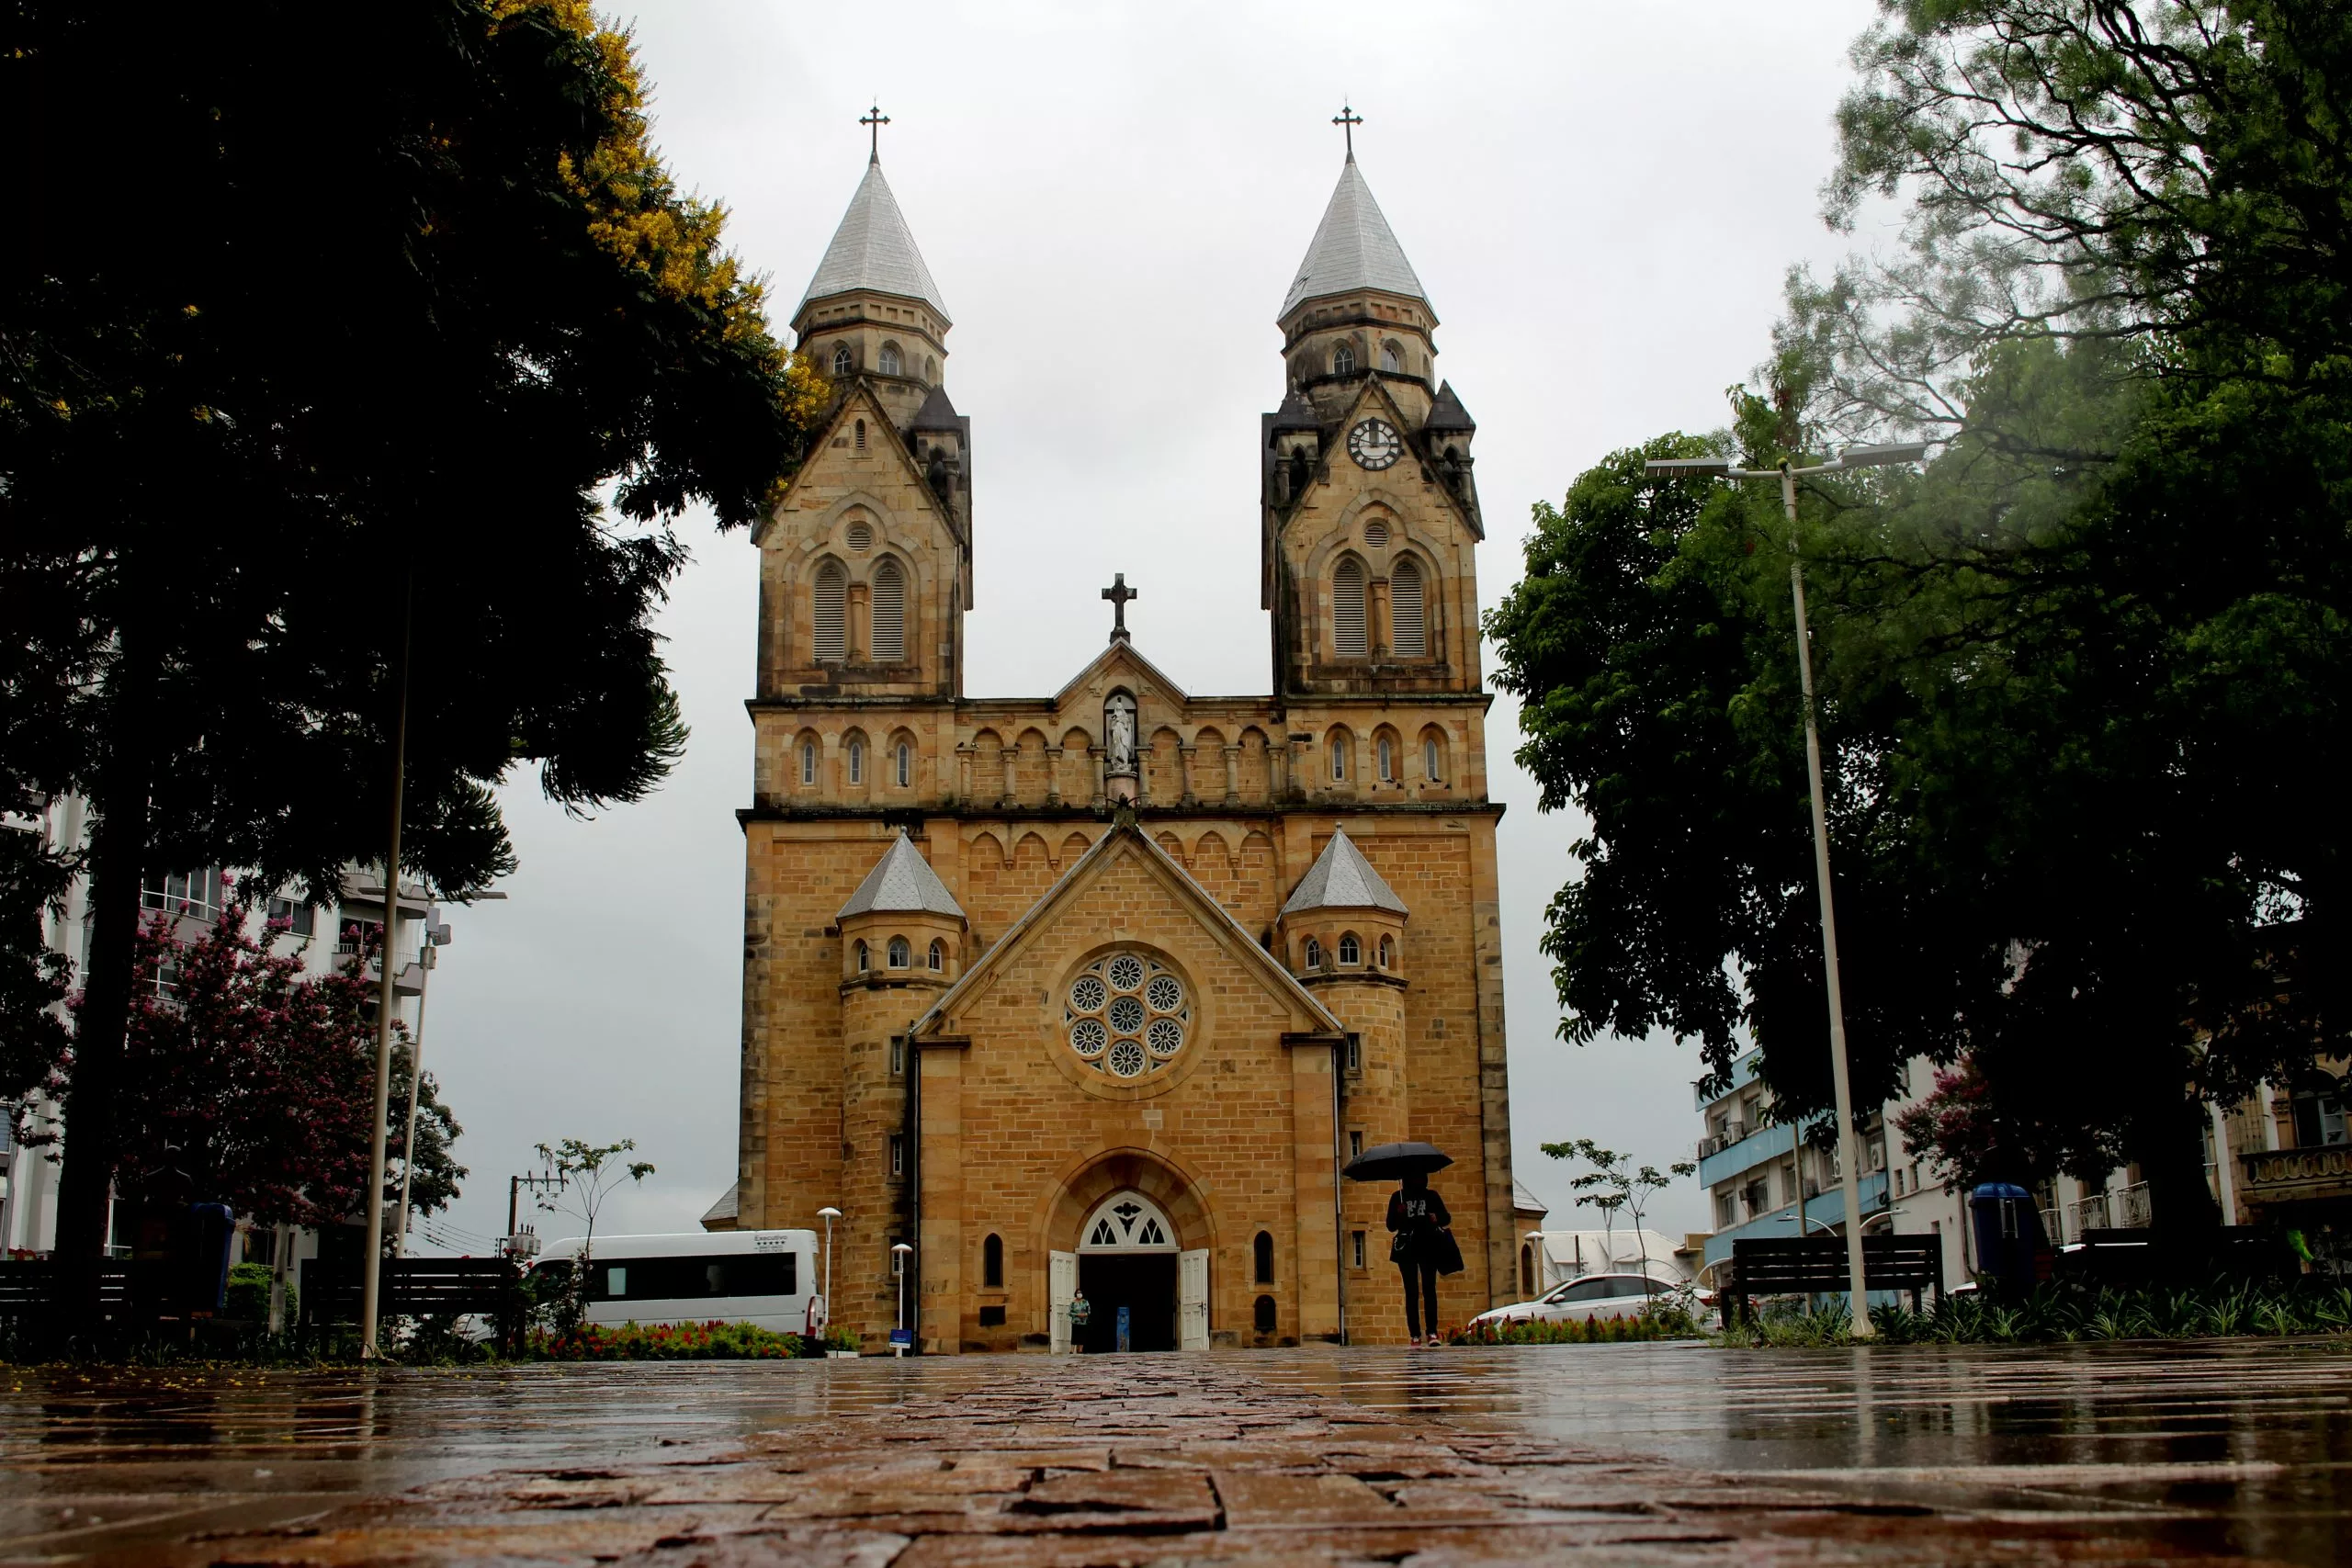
(1375, 536)
(1526, 1268)
(893, 364)
(992, 1263)
(1387, 754)
(1339, 757)
(1350, 950)
(860, 435)
(827, 613)
(1347, 610)
(1343, 361)
(1312, 954)
(1407, 623)
(930, 369)
(864, 959)
(1387, 954)
(938, 960)
(861, 536)
(857, 762)
(1262, 1256)
(841, 361)
(1261, 1316)
(904, 765)
(1432, 760)
(889, 612)
(901, 955)
(1392, 357)
(808, 762)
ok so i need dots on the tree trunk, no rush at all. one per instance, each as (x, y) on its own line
(118, 846)
(2169, 1143)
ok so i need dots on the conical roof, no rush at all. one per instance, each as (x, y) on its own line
(1447, 412)
(1342, 879)
(902, 880)
(874, 249)
(1354, 249)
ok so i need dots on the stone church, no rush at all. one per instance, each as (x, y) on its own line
(1099, 989)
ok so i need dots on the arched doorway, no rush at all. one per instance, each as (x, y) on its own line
(1128, 1263)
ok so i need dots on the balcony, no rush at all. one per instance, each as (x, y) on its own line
(1733, 1132)
(1732, 1155)
(2298, 1175)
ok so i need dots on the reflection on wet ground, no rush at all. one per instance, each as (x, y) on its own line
(2248, 1444)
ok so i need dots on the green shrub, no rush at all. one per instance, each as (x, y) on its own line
(249, 1294)
(664, 1342)
(2062, 1312)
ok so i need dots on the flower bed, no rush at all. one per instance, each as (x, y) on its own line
(665, 1342)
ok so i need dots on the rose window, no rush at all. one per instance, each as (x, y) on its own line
(1126, 1015)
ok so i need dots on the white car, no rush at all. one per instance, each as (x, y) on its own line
(1590, 1297)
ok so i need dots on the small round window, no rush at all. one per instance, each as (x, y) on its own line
(1126, 1014)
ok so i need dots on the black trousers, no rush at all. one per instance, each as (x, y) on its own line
(1423, 1303)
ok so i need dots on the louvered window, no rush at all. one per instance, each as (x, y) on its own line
(889, 614)
(1347, 609)
(1408, 633)
(832, 594)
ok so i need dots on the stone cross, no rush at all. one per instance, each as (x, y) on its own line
(1119, 593)
(874, 120)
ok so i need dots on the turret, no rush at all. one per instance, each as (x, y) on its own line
(1357, 310)
(872, 310)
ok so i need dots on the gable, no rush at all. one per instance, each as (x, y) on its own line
(1407, 486)
(834, 466)
(1125, 889)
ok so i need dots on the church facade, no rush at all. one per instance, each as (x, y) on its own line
(1098, 991)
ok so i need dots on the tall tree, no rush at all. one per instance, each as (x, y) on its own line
(330, 333)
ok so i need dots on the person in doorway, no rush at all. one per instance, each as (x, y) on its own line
(1419, 1219)
(1081, 1309)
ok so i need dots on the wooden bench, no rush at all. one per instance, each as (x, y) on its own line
(417, 1287)
(1815, 1264)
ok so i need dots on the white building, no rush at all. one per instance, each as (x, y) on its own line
(322, 935)
(1762, 1179)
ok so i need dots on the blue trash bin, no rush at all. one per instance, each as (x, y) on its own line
(2008, 1236)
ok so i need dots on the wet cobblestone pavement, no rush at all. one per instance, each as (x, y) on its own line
(1665, 1454)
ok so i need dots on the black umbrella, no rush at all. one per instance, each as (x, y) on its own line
(1390, 1162)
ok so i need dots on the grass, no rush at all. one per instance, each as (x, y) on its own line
(2070, 1315)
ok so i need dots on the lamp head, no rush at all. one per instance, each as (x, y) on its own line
(1876, 457)
(900, 1247)
(829, 1213)
(1689, 468)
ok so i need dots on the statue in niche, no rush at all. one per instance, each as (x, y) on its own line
(1119, 734)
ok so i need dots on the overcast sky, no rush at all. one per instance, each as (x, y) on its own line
(1601, 200)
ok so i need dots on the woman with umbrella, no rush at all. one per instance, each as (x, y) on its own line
(1423, 1247)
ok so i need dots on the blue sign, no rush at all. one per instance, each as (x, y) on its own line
(902, 1337)
(1122, 1325)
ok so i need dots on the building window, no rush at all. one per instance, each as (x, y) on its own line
(1375, 536)
(1387, 954)
(861, 536)
(1355, 1142)
(807, 763)
(893, 364)
(1526, 1270)
(1358, 1237)
(841, 359)
(1387, 756)
(300, 919)
(938, 960)
(905, 763)
(889, 612)
(1312, 956)
(1261, 1255)
(930, 369)
(898, 1055)
(1343, 360)
(1355, 1053)
(1407, 623)
(860, 435)
(901, 954)
(1347, 610)
(1391, 358)
(1430, 770)
(1350, 950)
(857, 762)
(992, 1263)
(1261, 1316)
(897, 1166)
(827, 611)
(1339, 757)
(864, 959)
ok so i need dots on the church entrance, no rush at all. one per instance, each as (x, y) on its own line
(1127, 1261)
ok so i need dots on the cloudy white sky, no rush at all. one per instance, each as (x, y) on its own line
(1601, 200)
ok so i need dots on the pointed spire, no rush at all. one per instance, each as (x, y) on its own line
(1353, 248)
(901, 881)
(874, 249)
(1447, 412)
(1341, 879)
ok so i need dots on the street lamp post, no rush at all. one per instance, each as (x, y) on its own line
(829, 1214)
(1848, 1146)
(899, 1250)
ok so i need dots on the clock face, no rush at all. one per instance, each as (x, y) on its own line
(1375, 443)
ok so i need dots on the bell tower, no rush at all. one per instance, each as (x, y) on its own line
(1370, 516)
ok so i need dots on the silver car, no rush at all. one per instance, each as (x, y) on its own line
(1590, 1297)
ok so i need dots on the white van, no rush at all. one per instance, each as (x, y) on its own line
(767, 1279)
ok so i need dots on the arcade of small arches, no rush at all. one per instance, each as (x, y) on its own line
(898, 955)
(1321, 952)
(1206, 765)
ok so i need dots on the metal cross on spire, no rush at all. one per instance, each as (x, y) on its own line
(874, 120)
(1347, 119)
(1119, 593)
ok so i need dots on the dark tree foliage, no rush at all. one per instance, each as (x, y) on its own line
(2084, 682)
(324, 330)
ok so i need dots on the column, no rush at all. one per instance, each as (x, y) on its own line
(1008, 752)
(1095, 752)
(1184, 749)
(938, 1311)
(1315, 1167)
(1053, 776)
(1233, 774)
